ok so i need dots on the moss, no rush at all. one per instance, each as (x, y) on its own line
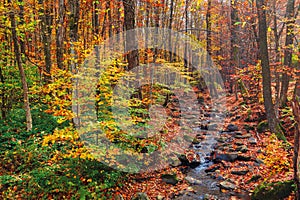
(262, 126)
(271, 191)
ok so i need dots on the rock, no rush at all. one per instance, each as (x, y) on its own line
(244, 158)
(248, 135)
(242, 148)
(195, 141)
(270, 191)
(212, 168)
(239, 172)
(188, 138)
(227, 185)
(193, 181)
(232, 128)
(169, 178)
(239, 143)
(175, 162)
(221, 139)
(259, 161)
(183, 159)
(231, 157)
(212, 127)
(238, 133)
(140, 196)
(252, 140)
(210, 197)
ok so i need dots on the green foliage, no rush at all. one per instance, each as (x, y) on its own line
(270, 191)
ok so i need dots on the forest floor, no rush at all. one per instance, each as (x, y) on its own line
(242, 160)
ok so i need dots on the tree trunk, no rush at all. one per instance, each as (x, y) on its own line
(234, 45)
(273, 122)
(46, 39)
(2, 96)
(131, 43)
(287, 51)
(170, 27)
(296, 112)
(21, 70)
(60, 34)
(208, 27)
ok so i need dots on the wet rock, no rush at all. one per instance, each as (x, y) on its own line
(227, 185)
(244, 157)
(221, 139)
(175, 162)
(190, 159)
(239, 143)
(209, 197)
(183, 159)
(169, 178)
(242, 148)
(193, 181)
(212, 127)
(212, 168)
(252, 140)
(188, 138)
(239, 172)
(140, 196)
(195, 141)
(248, 135)
(238, 133)
(259, 161)
(232, 128)
(230, 157)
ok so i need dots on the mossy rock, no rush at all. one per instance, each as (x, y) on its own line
(271, 191)
(262, 126)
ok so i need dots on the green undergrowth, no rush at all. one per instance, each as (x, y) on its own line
(30, 169)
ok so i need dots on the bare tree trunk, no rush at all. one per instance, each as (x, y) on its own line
(208, 27)
(60, 34)
(46, 38)
(21, 70)
(234, 44)
(273, 122)
(296, 112)
(131, 43)
(170, 27)
(288, 51)
(2, 96)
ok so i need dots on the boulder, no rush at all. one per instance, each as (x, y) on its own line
(140, 196)
(227, 185)
(193, 181)
(169, 178)
(240, 172)
(229, 157)
(232, 128)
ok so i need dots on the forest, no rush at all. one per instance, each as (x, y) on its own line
(150, 99)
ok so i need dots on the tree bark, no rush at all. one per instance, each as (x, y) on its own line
(21, 71)
(287, 51)
(234, 46)
(60, 34)
(208, 27)
(296, 112)
(46, 39)
(273, 122)
(131, 43)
